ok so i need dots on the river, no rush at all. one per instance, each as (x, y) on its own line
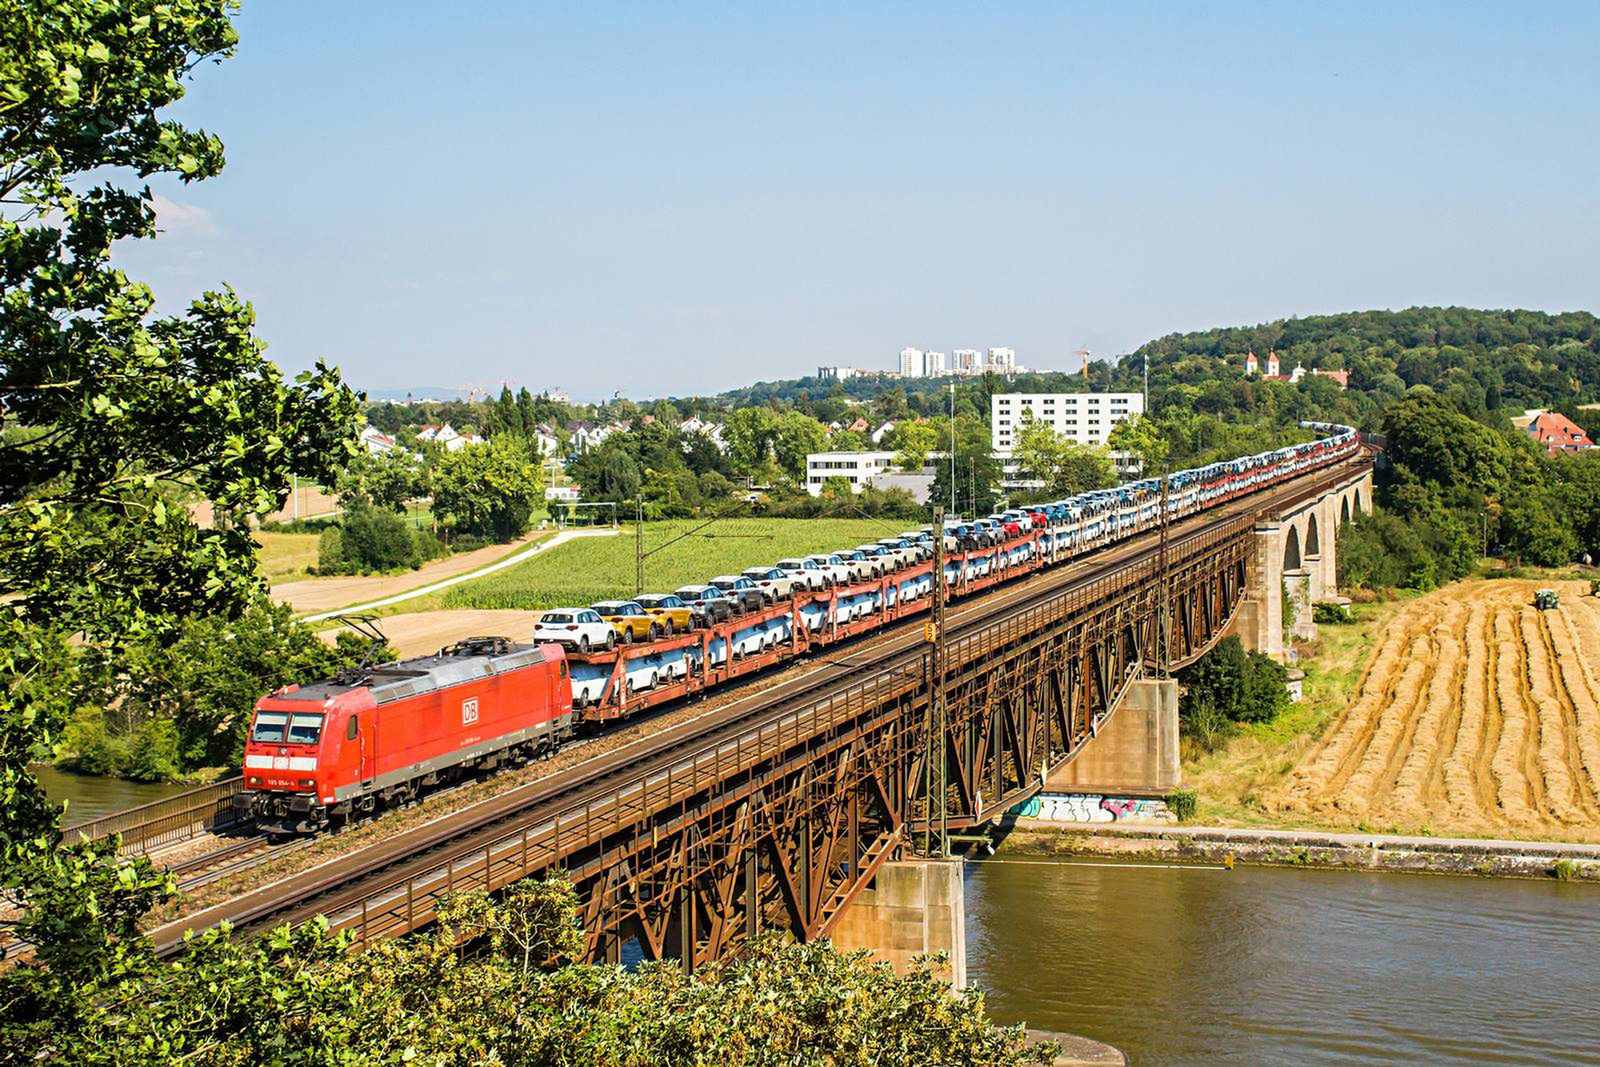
(1193, 965)
(90, 796)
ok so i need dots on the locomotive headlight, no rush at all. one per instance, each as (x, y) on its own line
(253, 781)
(308, 782)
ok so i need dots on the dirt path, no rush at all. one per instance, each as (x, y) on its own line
(320, 597)
(1477, 713)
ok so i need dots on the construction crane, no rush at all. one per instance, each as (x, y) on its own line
(1084, 352)
(474, 392)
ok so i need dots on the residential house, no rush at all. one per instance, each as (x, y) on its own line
(1556, 433)
(881, 432)
(439, 433)
(376, 441)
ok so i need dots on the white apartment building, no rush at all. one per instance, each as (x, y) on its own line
(1001, 360)
(841, 374)
(857, 468)
(933, 365)
(966, 361)
(1086, 418)
(912, 362)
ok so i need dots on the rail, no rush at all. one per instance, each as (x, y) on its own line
(165, 821)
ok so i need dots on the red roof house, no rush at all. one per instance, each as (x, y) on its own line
(1557, 433)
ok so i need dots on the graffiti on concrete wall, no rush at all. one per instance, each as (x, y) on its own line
(1093, 807)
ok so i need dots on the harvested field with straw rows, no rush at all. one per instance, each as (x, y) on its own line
(1477, 714)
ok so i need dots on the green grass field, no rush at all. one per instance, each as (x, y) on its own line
(601, 568)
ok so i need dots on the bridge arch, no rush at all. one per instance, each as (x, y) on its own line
(1291, 550)
(1344, 510)
(1313, 542)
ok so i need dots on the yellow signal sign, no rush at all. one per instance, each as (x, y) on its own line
(930, 632)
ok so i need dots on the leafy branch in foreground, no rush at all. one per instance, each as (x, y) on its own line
(493, 982)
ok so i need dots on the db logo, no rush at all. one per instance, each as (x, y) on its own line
(469, 711)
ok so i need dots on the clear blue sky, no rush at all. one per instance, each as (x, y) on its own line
(681, 198)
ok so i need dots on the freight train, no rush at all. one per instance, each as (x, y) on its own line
(319, 756)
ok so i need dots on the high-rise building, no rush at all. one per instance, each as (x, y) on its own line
(913, 363)
(1086, 418)
(1001, 360)
(933, 365)
(966, 361)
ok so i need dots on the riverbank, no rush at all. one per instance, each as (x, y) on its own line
(1501, 858)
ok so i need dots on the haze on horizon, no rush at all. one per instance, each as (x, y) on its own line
(685, 199)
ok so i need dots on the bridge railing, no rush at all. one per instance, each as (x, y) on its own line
(165, 821)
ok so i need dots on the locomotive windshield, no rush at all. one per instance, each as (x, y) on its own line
(305, 729)
(269, 726)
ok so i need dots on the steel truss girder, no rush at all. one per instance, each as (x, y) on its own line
(781, 826)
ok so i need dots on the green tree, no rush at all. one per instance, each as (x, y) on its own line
(749, 432)
(977, 472)
(1143, 438)
(388, 480)
(487, 490)
(1062, 466)
(1533, 530)
(110, 409)
(376, 540)
(619, 478)
(848, 441)
(795, 436)
(912, 441)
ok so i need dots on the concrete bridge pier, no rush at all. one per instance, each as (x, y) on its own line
(1136, 751)
(914, 907)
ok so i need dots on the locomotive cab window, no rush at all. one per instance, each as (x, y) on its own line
(305, 729)
(350, 729)
(269, 726)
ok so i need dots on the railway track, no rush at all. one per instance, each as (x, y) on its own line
(352, 880)
(232, 858)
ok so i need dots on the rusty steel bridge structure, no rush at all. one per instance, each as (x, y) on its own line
(775, 810)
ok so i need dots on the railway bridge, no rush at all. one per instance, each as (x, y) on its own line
(780, 808)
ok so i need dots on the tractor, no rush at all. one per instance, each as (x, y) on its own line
(1546, 599)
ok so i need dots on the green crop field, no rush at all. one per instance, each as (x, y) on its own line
(601, 568)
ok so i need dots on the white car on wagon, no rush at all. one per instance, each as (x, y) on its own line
(581, 629)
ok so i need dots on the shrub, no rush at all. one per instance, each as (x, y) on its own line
(330, 551)
(1205, 724)
(429, 547)
(152, 754)
(1243, 687)
(94, 750)
(378, 540)
(1183, 803)
(1566, 871)
(1331, 612)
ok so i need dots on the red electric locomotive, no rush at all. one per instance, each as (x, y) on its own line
(321, 754)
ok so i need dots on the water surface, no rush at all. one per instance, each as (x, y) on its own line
(1259, 965)
(90, 796)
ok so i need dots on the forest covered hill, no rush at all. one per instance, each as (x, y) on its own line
(1484, 361)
